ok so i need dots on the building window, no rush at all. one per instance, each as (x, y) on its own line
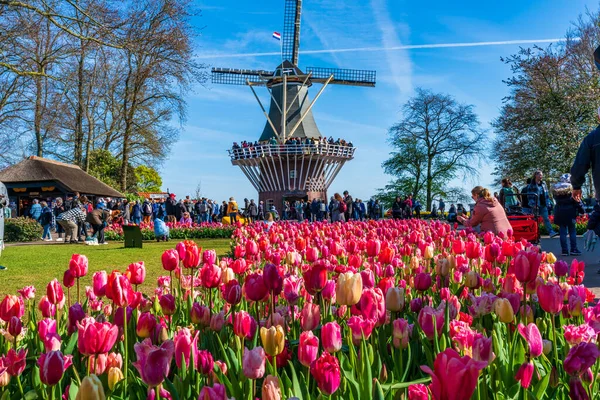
(270, 203)
(293, 174)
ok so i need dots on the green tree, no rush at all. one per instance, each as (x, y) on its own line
(438, 140)
(148, 179)
(107, 168)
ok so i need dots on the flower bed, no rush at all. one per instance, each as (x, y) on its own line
(362, 310)
(580, 225)
(177, 231)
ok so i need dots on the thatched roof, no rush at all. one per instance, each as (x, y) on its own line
(38, 169)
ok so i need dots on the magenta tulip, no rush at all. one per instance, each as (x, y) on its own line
(95, 337)
(483, 349)
(532, 336)
(167, 304)
(99, 281)
(331, 337)
(136, 273)
(68, 279)
(78, 265)
(253, 363)
(15, 326)
(550, 297)
(146, 325)
(431, 321)
(185, 343)
(53, 366)
(526, 265)
(244, 326)
(453, 377)
(418, 391)
(561, 268)
(272, 278)
(209, 257)
(210, 276)
(310, 316)
(401, 333)
(326, 371)
(15, 362)
(76, 314)
(580, 358)
(170, 259)
(360, 328)
(373, 247)
(422, 281)
(524, 374)
(204, 362)
(255, 288)
(308, 348)
(200, 315)
(153, 362)
(232, 292)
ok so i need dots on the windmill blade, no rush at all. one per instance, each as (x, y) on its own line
(291, 31)
(231, 76)
(350, 77)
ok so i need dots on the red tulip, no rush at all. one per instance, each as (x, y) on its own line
(239, 266)
(550, 297)
(254, 287)
(473, 250)
(68, 279)
(458, 247)
(453, 377)
(326, 372)
(136, 273)
(300, 243)
(312, 254)
(78, 265)
(11, 306)
(386, 255)
(373, 247)
(185, 344)
(232, 292)
(146, 325)
(244, 326)
(99, 281)
(210, 276)
(167, 304)
(96, 337)
(118, 289)
(315, 279)
(524, 374)
(331, 337)
(15, 362)
(170, 259)
(526, 265)
(272, 278)
(53, 366)
(153, 362)
(192, 255)
(54, 291)
(308, 348)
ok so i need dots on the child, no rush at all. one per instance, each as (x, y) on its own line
(565, 213)
(161, 230)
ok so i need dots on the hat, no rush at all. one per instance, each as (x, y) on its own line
(172, 195)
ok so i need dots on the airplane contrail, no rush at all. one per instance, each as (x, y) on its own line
(374, 49)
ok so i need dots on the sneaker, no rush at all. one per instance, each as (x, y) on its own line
(554, 234)
(575, 253)
(59, 239)
(565, 254)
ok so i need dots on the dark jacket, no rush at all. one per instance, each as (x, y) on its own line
(566, 209)
(170, 206)
(587, 156)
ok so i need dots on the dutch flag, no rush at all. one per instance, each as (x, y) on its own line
(277, 35)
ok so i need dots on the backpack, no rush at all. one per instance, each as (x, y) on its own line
(509, 197)
(147, 209)
(342, 207)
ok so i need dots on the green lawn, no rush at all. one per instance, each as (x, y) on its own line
(38, 264)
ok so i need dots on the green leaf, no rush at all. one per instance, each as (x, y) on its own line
(366, 382)
(348, 371)
(171, 389)
(31, 395)
(295, 384)
(378, 395)
(404, 385)
(71, 345)
(73, 389)
(540, 388)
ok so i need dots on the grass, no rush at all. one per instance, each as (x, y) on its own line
(38, 264)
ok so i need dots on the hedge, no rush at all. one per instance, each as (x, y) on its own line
(224, 232)
(22, 230)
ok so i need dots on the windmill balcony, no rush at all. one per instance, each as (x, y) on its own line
(274, 150)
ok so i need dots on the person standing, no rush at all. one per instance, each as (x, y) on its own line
(146, 211)
(261, 211)
(170, 208)
(232, 210)
(36, 210)
(252, 211)
(417, 208)
(539, 197)
(136, 213)
(300, 210)
(509, 195)
(125, 212)
(397, 208)
(442, 207)
(565, 214)
(348, 200)
(46, 221)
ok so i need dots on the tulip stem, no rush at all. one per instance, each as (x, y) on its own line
(125, 361)
(555, 350)
(20, 387)
(78, 298)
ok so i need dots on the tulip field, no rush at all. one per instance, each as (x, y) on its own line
(405, 309)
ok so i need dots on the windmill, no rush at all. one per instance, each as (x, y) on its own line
(302, 168)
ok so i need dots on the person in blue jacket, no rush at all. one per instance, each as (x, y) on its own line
(136, 213)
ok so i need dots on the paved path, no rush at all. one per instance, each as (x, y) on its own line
(591, 259)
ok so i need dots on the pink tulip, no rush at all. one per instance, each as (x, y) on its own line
(210, 276)
(96, 337)
(550, 297)
(312, 254)
(526, 266)
(580, 358)
(216, 392)
(52, 342)
(53, 366)
(146, 325)
(308, 348)
(532, 335)
(244, 326)
(360, 327)
(291, 289)
(118, 289)
(483, 349)
(204, 362)
(253, 363)
(217, 321)
(209, 257)
(373, 247)
(15, 362)
(239, 266)
(331, 337)
(271, 389)
(524, 374)
(255, 288)
(99, 282)
(326, 371)
(401, 333)
(46, 326)
(136, 273)
(453, 377)
(28, 292)
(368, 278)
(431, 321)
(153, 362)
(200, 315)
(170, 259)
(232, 292)
(78, 265)
(372, 305)
(98, 364)
(577, 334)
(310, 316)
(251, 248)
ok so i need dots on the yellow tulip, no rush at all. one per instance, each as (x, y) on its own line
(91, 389)
(504, 310)
(273, 339)
(428, 253)
(114, 376)
(472, 279)
(348, 289)
(550, 258)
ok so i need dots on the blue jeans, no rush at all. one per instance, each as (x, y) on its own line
(544, 215)
(46, 234)
(570, 228)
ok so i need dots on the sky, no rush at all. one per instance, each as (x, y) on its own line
(236, 34)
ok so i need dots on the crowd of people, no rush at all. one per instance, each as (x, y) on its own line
(247, 149)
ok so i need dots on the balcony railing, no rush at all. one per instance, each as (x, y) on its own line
(269, 150)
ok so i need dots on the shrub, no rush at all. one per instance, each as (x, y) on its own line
(21, 230)
(204, 231)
